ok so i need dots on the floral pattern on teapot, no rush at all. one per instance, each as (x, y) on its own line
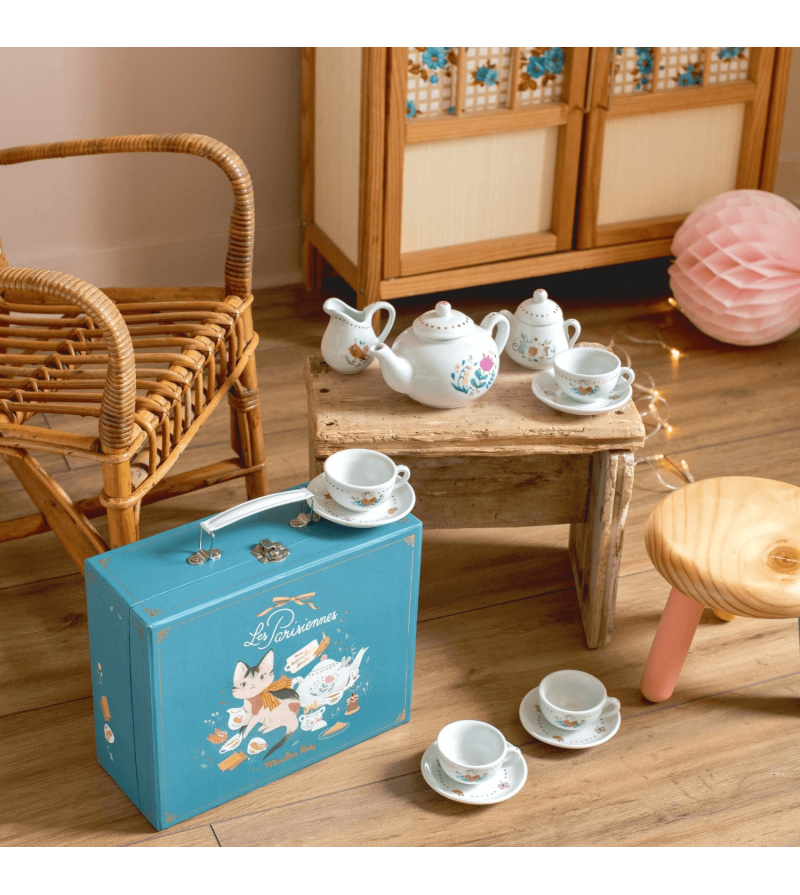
(473, 377)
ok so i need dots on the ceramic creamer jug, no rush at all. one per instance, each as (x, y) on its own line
(539, 332)
(348, 340)
(444, 359)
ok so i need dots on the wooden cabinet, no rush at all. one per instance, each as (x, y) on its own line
(434, 168)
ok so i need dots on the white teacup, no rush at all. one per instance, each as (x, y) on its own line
(473, 751)
(571, 699)
(589, 374)
(360, 480)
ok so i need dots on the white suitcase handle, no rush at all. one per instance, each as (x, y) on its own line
(251, 507)
(266, 550)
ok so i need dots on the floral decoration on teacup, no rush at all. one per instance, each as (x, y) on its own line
(588, 374)
(473, 751)
(570, 699)
(360, 480)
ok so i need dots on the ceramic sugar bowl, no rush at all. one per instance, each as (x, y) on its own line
(444, 359)
(539, 332)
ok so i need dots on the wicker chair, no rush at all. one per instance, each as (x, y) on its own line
(149, 365)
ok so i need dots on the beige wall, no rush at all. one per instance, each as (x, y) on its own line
(148, 219)
(163, 220)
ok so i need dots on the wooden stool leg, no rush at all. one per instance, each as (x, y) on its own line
(595, 545)
(670, 646)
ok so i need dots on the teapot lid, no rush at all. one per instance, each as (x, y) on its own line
(539, 310)
(443, 324)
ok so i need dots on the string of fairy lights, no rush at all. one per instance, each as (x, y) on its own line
(654, 408)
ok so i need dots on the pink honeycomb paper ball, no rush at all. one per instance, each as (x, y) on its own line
(736, 273)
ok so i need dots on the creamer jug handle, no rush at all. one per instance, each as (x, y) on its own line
(390, 310)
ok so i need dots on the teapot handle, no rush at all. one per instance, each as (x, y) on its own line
(503, 328)
(389, 308)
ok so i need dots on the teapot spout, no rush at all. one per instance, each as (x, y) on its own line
(396, 370)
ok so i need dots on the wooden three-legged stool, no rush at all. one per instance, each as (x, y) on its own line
(731, 544)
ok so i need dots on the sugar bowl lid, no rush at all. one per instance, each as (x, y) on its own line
(539, 310)
(443, 323)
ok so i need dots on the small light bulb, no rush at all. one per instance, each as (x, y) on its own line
(656, 393)
(674, 353)
(672, 301)
(668, 428)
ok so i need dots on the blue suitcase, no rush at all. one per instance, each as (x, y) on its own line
(269, 650)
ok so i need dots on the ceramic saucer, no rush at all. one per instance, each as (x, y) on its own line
(395, 508)
(533, 721)
(547, 391)
(506, 783)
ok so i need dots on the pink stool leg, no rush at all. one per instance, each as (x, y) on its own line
(670, 646)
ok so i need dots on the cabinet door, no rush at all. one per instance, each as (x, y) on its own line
(482, 154)
(668, 128)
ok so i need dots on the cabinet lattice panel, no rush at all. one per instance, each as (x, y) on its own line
(494, 78)
(638, 69)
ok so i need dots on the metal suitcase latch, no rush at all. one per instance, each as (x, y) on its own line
(197, 559)
(270, 551)
(266, 550)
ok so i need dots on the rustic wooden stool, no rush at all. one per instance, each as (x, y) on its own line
(504, 460)
(731, 544)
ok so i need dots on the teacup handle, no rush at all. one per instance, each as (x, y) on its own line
(403, 475)
(611, 707)
(572, 339)
(627, 374)
(512, 754)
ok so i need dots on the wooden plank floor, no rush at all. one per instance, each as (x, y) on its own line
(717, 765)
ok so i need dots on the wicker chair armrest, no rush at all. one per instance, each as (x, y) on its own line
(239, 259)
(117, 426)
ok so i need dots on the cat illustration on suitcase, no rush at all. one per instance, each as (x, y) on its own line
(268, 704)
(271, 704)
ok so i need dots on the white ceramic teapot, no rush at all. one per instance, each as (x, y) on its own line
(348, 340)
(444, 359)
(539, 332)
